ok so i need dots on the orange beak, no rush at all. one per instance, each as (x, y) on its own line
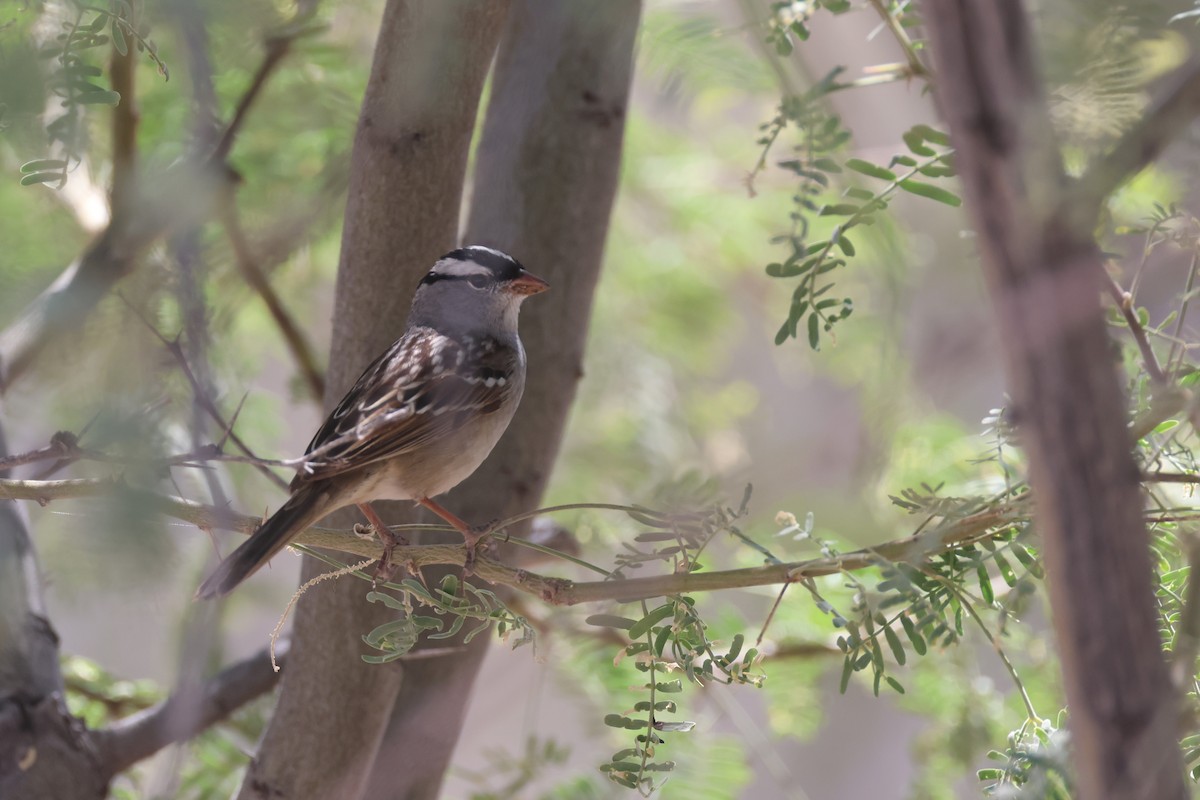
(526, 284)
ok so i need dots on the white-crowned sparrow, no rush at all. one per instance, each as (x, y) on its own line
(421, 418)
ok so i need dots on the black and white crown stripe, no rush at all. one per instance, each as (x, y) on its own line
(475, 260)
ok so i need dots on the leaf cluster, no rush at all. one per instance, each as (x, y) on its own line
(74, 79)
(452, 602)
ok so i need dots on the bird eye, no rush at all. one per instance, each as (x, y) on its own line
(478, 281)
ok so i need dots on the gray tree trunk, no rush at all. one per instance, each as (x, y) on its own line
(45, 753)
(407, 171)
(1044, 271)
(545, 179)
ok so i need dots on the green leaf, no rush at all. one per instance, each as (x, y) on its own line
(914, 636)
(619, 721)
(847, 669)
(610, 621)
(814, 332)
(42, 165)
(931, 135)
(118, 37)
(387, 600)
(1006, 570)
(895, 684)
(916, 143)
(985, 584)
(669, 687)
(643, 625)
(846, 245)
(932, 192)
(100, 98)
(660, 641)
(41, 177)
(894, 643)
(870, 170)
(839, 210)
(776, 270)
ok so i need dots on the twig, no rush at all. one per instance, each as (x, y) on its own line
(174, 200)
(1171, 477)
(555, 591)
(1183, 309)
(202, 399)
(915, 68)
(295, 339)
(1124, 301)
(125, 117)
(1166, 118)
(141, 735)
(277, 48)
(1187, 640)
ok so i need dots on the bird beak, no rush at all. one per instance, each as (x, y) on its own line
(526, 284)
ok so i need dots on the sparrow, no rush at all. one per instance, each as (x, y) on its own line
(421, 418)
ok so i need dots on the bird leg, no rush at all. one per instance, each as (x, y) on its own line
(385, 569)
(472, 534)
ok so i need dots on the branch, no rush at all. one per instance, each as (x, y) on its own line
(556, 591)
(1166, 118)
(1187, 640)
(277, 48)
(141, 735)
(204, 402)
(177, 199)
(125, 118)
(292, 335)
(1124, 303)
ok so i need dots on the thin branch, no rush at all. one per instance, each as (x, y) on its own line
(1171, 477)
(204, 401)
(141, 735)
(1177, 339)
(177, 199)
(915, 68)
(1187, 640)
(1124, 302)
(556, 591)
(297, 343)
(125, 118)
(1164, 120)
(277, 48)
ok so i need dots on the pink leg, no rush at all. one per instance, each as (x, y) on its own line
(385, 568)
(472, 536)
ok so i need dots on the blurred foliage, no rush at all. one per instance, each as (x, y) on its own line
(215, 759)
(680, 381)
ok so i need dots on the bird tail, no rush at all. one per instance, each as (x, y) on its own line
(301, 510)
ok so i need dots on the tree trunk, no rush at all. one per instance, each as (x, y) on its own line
(45, 753)
(546, 175)
(407, 171)
(1044, 271)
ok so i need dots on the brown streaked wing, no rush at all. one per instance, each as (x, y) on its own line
(411, 395)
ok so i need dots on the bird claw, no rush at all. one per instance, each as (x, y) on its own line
(364, 530)
(472, 540)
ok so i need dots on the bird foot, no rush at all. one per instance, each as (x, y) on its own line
(385, 568)
(363, 530)
(472, 538)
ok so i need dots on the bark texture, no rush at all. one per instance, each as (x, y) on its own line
(407, 172)
(1044, 272)
(45, 753)
(545, 179)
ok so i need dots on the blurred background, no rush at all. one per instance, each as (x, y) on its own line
(685, 393)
